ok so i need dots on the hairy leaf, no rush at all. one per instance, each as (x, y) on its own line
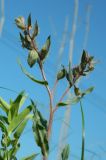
(16, 121)
(29, 21)
(62, 104)
(70, 73)
(4, 119)
(3, 127)
(40, 131)
(35, 30)
(4, 105)
(75, 100)
(31, 77)
(44, 51)
(15, 105)
(89, 90)
(21, 127)
(12, 152)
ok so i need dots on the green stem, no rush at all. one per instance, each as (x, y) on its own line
(83, 132)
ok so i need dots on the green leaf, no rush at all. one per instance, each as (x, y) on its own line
(89, 90)
(4, 105)
(3, 127)
(22, 38)
(20, 129)
(32, 58)
(16, 121)
(70, 73)
(31, 157)
(44, 51)
(2, 153)
(4, 119)
(75, 100)
(83, 132)
(84, 56)
(31, 77)
(84, 60)
(65, 153)
(22, 126)
(40, 131)
(12, 152)
(62, 104)
(15, 105)
(35, 30)
(29, 21)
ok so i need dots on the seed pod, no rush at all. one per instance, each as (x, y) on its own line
(77, 91)
(61, 74)
(32, 58)
(20, 23)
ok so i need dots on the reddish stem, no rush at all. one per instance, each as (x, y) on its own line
(64, 94)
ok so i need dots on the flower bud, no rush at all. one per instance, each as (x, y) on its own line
(20, 22)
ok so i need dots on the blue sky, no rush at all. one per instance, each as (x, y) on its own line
(51, 15)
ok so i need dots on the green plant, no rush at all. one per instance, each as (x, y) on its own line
(13, 123)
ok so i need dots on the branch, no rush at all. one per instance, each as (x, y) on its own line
(64, 94)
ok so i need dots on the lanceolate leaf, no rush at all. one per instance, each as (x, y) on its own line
(83, 132)
(4, 119)
(4, 105)
(12, 152)
(75, 100)
(15, 105)
(84, 55)
(22, 38)
(16, 121)
(31, 157)
(40, 132)
(29, 21)
(21, 127)
(70, 101)
(2, 153)
(3, 127)
(44, 51)
(62, 104)
(65, 153)
(35, 30)
(89, 90)
(31, 77)
(70, 74)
